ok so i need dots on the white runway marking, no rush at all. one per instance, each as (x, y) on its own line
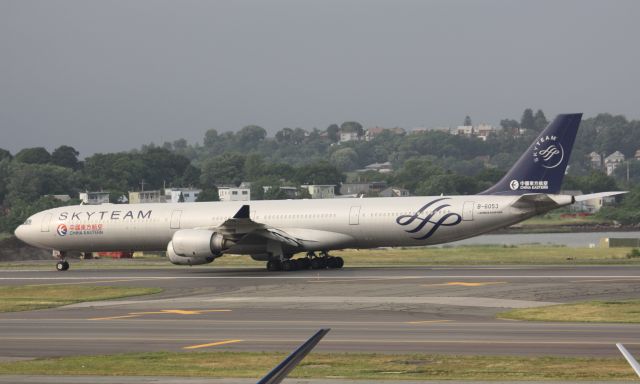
(282, 277)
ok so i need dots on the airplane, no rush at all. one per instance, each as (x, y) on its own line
(274, 231)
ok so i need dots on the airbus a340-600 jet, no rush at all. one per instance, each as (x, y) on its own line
(274, 231)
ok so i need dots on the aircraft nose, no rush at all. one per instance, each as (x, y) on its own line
(19, 232)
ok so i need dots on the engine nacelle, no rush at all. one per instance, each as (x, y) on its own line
(196, 246)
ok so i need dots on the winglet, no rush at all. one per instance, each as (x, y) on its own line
(632, 362)
(280, 372)
(243, 213)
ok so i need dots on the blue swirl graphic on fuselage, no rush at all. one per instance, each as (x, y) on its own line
(422, 222)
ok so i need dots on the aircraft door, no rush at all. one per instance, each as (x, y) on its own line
(46, 222)
(467, 210)
(175, 219)
(354, 216)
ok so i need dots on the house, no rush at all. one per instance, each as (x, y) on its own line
(289, 192)
(372, 188)
(348, 136)
(465, 130)
(394, 192)
(595, 159)
(181, 195)
(372, 133)
(94, 198)
(637, 155)
(483, 131)
(613, 161)
(144, 197)
(327, 191)
(234, 194)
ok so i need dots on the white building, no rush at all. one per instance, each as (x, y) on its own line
(595, 160)
(189, 195)
(348, 136)
(327, 191)
(234, 194)
(145, 197)
(613, 161)
(94, 198)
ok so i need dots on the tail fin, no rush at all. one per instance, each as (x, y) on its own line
(541, 168)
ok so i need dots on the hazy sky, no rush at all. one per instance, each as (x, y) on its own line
(111, 75)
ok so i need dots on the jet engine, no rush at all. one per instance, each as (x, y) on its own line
(196, 246)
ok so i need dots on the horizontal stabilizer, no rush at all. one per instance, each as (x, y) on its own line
(598, 195)
(630, 359)
(280, 372)
(542, 202)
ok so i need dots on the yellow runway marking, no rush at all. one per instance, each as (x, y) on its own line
(429, 321)
(466, 283)
(212, 344)
(163, 312)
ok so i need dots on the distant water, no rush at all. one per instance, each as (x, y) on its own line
(581, 239)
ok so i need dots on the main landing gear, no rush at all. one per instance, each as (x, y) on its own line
(311, 261)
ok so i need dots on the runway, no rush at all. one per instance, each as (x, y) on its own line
(385, 310)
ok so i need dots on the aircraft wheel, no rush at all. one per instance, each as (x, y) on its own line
(305, 263)
(332, 262)
(273, 265)
(316, 263)
(339, 262)
(62, 265)
(288, 265)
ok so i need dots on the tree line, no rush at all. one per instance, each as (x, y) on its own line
(425, 163)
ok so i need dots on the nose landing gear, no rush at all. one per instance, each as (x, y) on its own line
(62, 264)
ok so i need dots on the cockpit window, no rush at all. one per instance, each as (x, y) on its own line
(27, 222)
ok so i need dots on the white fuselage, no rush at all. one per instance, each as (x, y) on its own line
(320, 224)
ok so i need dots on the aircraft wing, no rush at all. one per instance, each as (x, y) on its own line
(241, 225)
(281, 371)
(630, 359)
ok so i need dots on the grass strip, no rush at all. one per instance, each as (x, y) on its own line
(331, 365)
(592, 311)
(30, 297)
(460, 255)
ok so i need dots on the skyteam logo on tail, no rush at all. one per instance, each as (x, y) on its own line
(548, 151)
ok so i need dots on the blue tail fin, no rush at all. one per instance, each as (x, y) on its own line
(541, 168)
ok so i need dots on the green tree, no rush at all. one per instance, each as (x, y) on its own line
(320, 172)
(333, 132)
(227, 168)
(36, 155)
(345, 159)
(65, 156)
(4, 154)
(209, 194)
(540, 121)
(352, 126)
(528, 121)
